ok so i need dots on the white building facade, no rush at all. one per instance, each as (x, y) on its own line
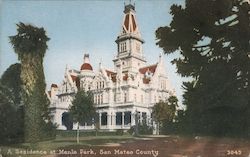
(131, 88)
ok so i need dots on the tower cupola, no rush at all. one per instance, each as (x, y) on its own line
(129, 41)
(86, 64)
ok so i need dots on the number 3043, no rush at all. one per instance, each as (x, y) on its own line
(234, 152)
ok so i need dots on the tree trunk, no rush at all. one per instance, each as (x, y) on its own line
(34, 97)
(77, 134)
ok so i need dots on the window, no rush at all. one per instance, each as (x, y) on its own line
(123, 47)
(118, 118)
(127, 117)
(104, 118)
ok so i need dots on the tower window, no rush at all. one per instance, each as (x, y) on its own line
(123, 47)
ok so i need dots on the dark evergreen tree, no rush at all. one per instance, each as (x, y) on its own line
(30, 45)
(164, 112)
(212, 38)
(11, 79)
(10, 93)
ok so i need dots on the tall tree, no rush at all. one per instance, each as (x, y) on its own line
(212, 38)
(82, 109)
(30, 44)
(164, 112)
(10, 93)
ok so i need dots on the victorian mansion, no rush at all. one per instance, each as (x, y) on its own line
(131, 88)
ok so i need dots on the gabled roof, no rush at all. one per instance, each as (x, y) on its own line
(112, 75)
(109, 72)
(54, 85)
(150, 68)
(76, 80)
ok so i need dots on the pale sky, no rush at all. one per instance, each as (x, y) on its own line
(78, 27)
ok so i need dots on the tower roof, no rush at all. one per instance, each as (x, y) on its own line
(86, 66)
(129, 20)
(86, 63)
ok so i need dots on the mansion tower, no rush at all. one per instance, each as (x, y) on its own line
(131, 89)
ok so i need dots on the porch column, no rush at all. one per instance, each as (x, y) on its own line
(113, 119)
(141, 117)
(133, 114)
(108, 120)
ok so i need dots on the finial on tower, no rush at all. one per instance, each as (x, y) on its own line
(86, 58)
(129, 7)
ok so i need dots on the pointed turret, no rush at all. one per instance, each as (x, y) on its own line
(129, 42)
(86, 63)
